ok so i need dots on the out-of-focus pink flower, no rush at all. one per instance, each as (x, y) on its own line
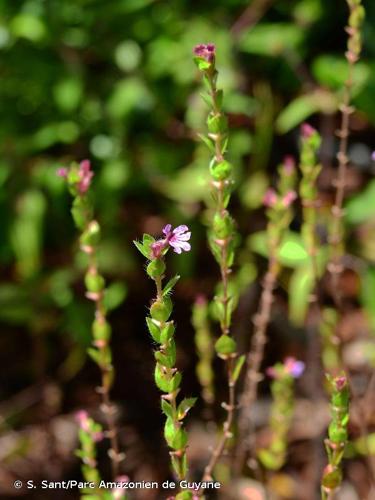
(85, 174)
(289, 198)
(62, 172)
(294, 367)
(289, 165)
(373, 156)
(82, 418)
(340, 382)
(176, 238)
(270, 198)
(206, 51)
(307, 130)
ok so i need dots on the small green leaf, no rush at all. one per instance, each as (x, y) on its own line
(207, 142)
(166, 408)
(300, 288)
(141, 248)
(185, 405)
(171, 283)
(153, 328)
(225, 345)
(238, 367)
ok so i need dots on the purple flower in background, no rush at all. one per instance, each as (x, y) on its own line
(294, 367)
(85, 175)
(176, 238)
(206, 51)
(373, 156)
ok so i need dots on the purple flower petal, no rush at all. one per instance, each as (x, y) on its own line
(167, 229)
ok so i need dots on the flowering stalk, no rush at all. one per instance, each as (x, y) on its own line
(310, 170)
(279, 215)
(79, 179)
(221, 235)
(89, 434)
(204, 347)
(162, 329)
(337, 435)
(354, 47)
(282, 390)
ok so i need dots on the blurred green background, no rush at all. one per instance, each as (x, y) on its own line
(114, 81)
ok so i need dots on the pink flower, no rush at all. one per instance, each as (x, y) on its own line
(85, 174)
(206, 51)
(307, 130)
(373, 156)
(176, 238)
(82, 418)
(62, 172)
(340, 382)
(294, 367)
(289, 198)
(289, 165)
(270, 198)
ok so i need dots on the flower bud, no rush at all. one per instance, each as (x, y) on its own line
(101, 330)
(221, 171)
(161, 309)
(156, 268)
(94, 282)
(225, 345)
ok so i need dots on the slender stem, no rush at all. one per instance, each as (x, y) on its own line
(253, 362)
(107, 407)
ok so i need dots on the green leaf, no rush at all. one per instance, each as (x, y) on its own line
(361, 207)
(291, 253)
(171, 283)
(208, 142)
(114, 295)
(166, 408)
(141, 248)
(332, 71)
(185, 405)
(272, 39)
(300, 288)
(238, 367)
(153, 328)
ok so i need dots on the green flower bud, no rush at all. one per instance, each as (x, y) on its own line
(225, 345)
(167, 333)
(101, 330)
(337, 434)
(156, 268)
(175, 436)
(94, 282)
(161, 309)
(222, 225)
(221, 171)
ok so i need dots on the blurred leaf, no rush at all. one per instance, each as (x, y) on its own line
(115, 294)
(332, 71)
(68, 93)
(252, 190)
(300, 288)
(308, 11)
(367, 293)
(15, 306)
(361, 207)
(128, 96)
(291, 253)
(26, 232)
(303, 107)
(28, 26)
(272, 39)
